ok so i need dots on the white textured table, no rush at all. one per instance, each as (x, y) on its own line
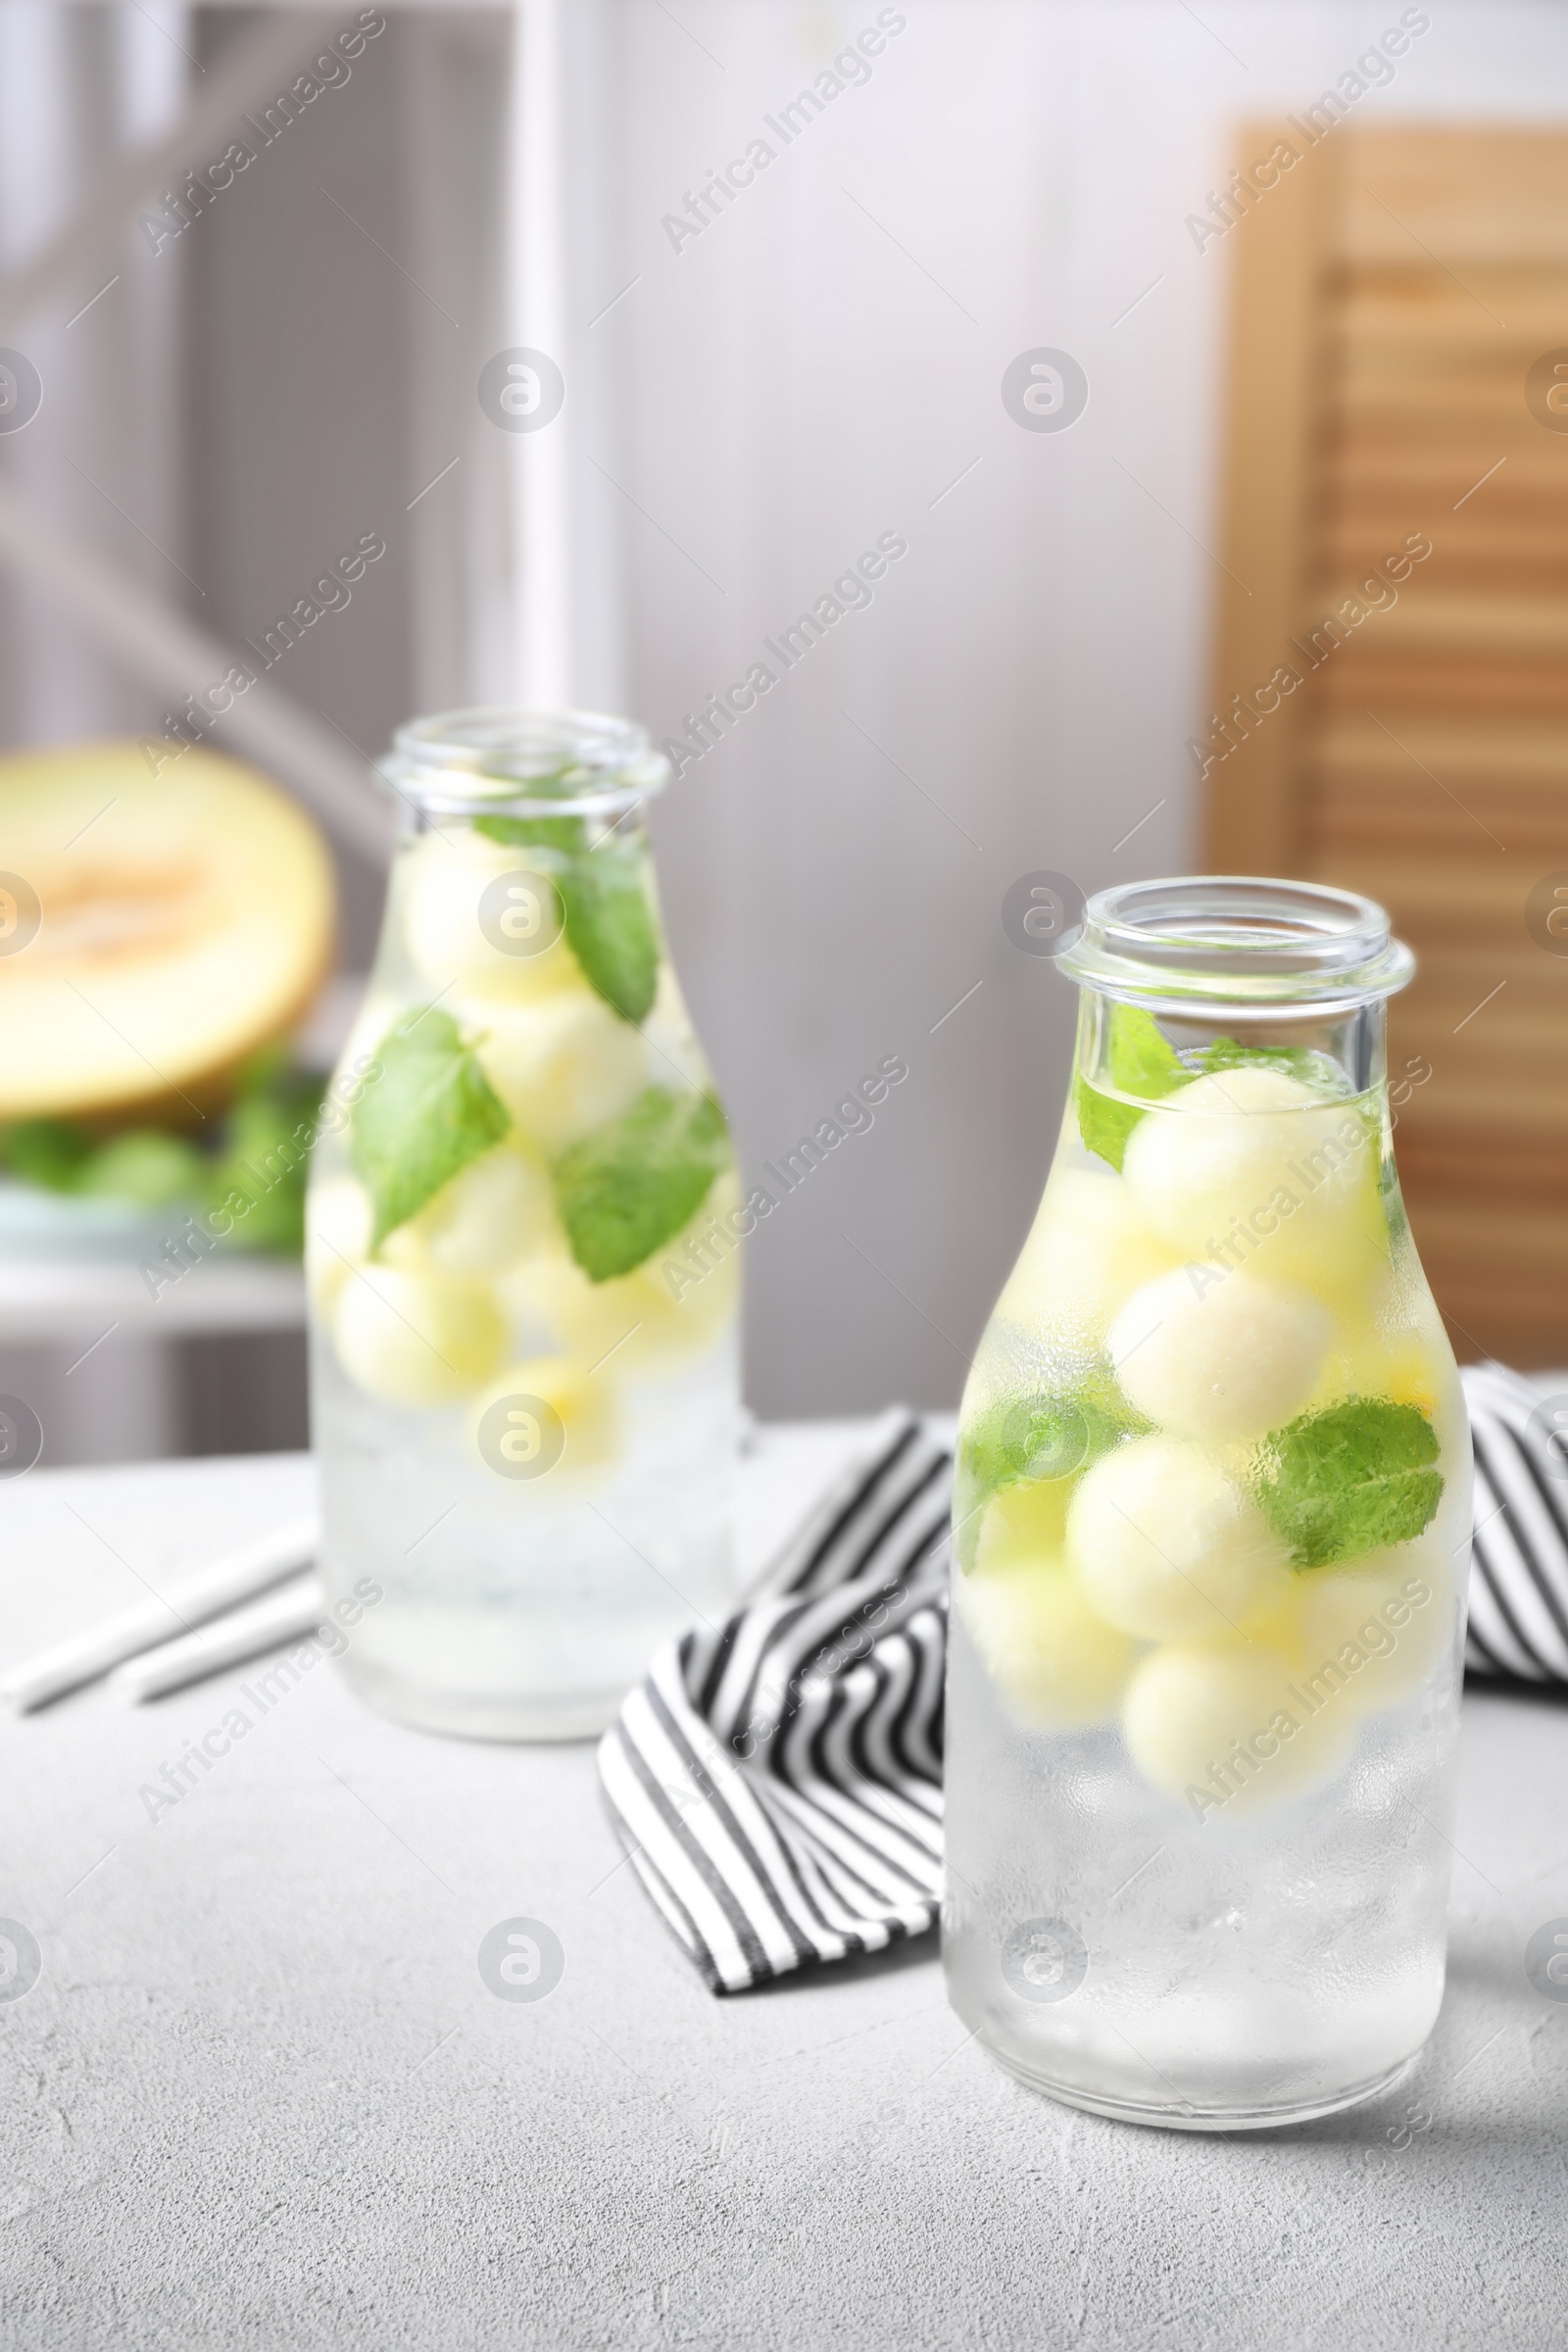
(260, 2096)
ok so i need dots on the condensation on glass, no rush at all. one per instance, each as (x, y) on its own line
(522, 1241)
(1212, 1521)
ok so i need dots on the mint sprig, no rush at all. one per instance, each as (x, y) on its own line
(1142, 1061)
(628, 1186)
(608, 922)
(610, 929)
(1350, 1480)
(430, 1113)
(1044, 1435)
(54, 1153)
(1318, 1070)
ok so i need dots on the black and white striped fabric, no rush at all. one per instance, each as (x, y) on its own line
(777, 1780)
(1519, 1564)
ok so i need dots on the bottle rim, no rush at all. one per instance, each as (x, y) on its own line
(501, 759)
(1244, 940)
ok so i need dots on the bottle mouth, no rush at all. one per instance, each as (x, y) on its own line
(501, 761)
(1237, 938)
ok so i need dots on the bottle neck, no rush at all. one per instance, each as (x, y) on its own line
(523, 764)
(522, 827)
(1125, 1049)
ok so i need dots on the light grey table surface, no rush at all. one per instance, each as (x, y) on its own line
(261, 2096)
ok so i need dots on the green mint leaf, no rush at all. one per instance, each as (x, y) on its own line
(264, 1163)
(535, 832)
(1350, 1480)
(610, 923)
(1319, 1071)
(145, 1167)
(1103, 1122)
(51, 1153)
(1140, 1060)
(432, 1110)
(1049, 1435)
(627, 1188)
(610, 928)
(258, 1176)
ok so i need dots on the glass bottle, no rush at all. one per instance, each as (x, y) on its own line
(521, 1234)
(1212, 1519)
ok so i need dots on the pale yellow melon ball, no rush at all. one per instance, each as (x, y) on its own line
(338, 1220)
(643, 1321)
(1224, 1721)
(689, 1291)
(478, 917)
(1056, 1663)
(1390, 1343)
(1169, 1549)
(561, 1066)
(1248, 1167)
(1365, 1630)
(547, 1419)
(1088, 1252)
(1026, 1521)
(416, 1339)
(499, 1208)
(1219, 1358)
(592, 1321)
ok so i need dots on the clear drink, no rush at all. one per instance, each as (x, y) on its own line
(1212, 1521)
(521, 1251)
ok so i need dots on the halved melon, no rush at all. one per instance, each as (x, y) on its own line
(186, 920)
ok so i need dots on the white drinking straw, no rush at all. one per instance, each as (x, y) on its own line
(265, 1560)
(283, 1616)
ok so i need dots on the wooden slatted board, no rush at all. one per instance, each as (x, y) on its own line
(1390, 296)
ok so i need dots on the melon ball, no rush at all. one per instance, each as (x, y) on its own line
(642, 1321)
(338, 1220)
(416, 1339)
(561, 1066)
(496, 1210)
(549, 1410)
(1391, 1343)
(1221, 1726)
(689, 1291)
(1056, 1663)
(1169, 1549)
(1027, 1521)
(477, 916)
(1366, 1631)
(1248, 1167)
(1088, 1252)
(1219, 1358)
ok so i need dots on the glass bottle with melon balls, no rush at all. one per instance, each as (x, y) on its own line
(521, 1249)
(1211, 1536)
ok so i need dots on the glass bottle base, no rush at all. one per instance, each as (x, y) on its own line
(490, 1715)
(1185, 2115)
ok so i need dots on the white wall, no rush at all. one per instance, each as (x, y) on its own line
(817, 368)
(795, 384)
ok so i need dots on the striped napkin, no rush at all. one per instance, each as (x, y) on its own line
(777, 1780)
(1519, 1564)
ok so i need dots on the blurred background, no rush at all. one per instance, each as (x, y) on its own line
(1311, 263)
